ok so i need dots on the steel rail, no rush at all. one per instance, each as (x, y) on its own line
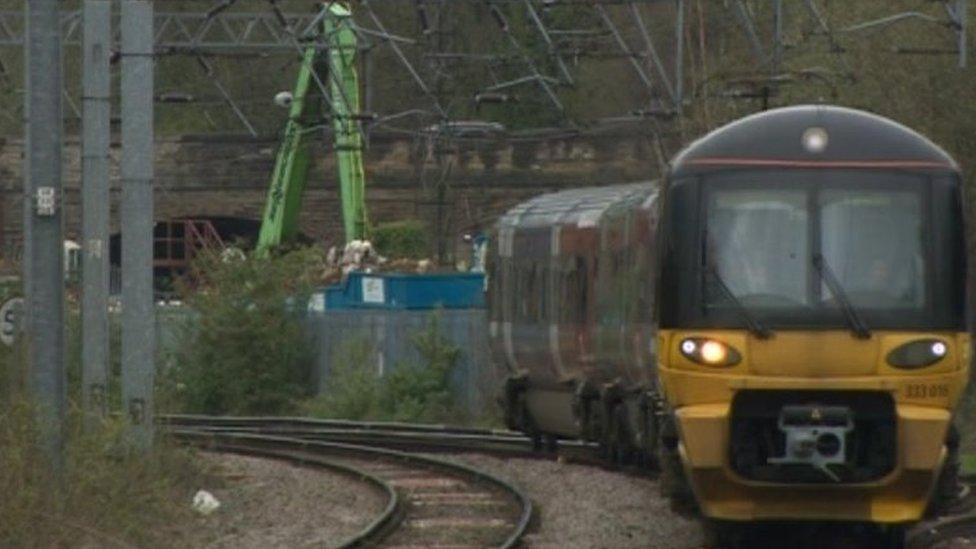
(944, 530)
(434, 438)
(306, 451)
(196, 419)
(413, 437)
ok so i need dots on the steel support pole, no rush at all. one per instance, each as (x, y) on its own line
(96, 82)
(777, 36)
(44, 238)
(679, 56)
(961, 16)
(138, 314)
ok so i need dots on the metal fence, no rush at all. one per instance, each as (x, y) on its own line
(391, 337)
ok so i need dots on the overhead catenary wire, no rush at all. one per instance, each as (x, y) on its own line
(225, 28)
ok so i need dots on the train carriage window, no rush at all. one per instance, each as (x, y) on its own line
(493, 287)
(645, 285)
(543, 277)
(619, 305)
(571, 291)
(557, 280)
(523, 290)
(583, 301)
(529, 293)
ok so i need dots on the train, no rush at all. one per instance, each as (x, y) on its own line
(779, 325)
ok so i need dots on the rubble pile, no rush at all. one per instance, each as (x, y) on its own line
(359, 255)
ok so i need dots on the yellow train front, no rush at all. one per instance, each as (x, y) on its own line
(812, 338)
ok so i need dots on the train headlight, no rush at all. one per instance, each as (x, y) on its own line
(815, 140)
(709, 352)
(918, 354)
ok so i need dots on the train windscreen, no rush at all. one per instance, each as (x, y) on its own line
(761, 243)
(811, 248)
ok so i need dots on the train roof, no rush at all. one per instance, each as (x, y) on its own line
(582, 207)
(776, 138)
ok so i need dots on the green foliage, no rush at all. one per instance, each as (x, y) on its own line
(411, 392)
(107, 495)
(246, 350)
(402, 239)
(355, 388)
(419, 392)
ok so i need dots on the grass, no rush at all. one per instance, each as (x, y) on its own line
(969, 464)
(402, 239)
(107, 495)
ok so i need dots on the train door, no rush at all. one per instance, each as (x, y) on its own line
(530, 297)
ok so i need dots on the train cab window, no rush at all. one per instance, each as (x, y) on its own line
(758, 245)
(784, 247)
(872, 241)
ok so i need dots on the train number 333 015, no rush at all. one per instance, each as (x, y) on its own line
(921, 390)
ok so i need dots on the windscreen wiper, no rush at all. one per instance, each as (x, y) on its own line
(860, 329)
(755, 326)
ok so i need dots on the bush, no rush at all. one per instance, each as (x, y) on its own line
(246, 350)
(408, 239)
(411, 392)
(355, 388)
(422, 392)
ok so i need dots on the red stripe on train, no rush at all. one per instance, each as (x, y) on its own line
(906, 164)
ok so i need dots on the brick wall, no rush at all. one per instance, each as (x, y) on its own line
(227, 176)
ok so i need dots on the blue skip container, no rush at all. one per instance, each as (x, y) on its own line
(403, 291)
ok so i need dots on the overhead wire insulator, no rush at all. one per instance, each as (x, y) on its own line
(494, 97)
(422, 17)
(175, 97)
(364, 116)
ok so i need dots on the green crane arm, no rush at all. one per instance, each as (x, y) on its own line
(281, 209)
(345, 110)
(280, 221)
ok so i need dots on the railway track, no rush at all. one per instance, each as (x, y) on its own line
(401, 436)
(426, 493)
(946, 533)
(431, 502)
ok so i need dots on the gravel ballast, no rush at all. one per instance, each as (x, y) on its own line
(583, 506)
(268, 503)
